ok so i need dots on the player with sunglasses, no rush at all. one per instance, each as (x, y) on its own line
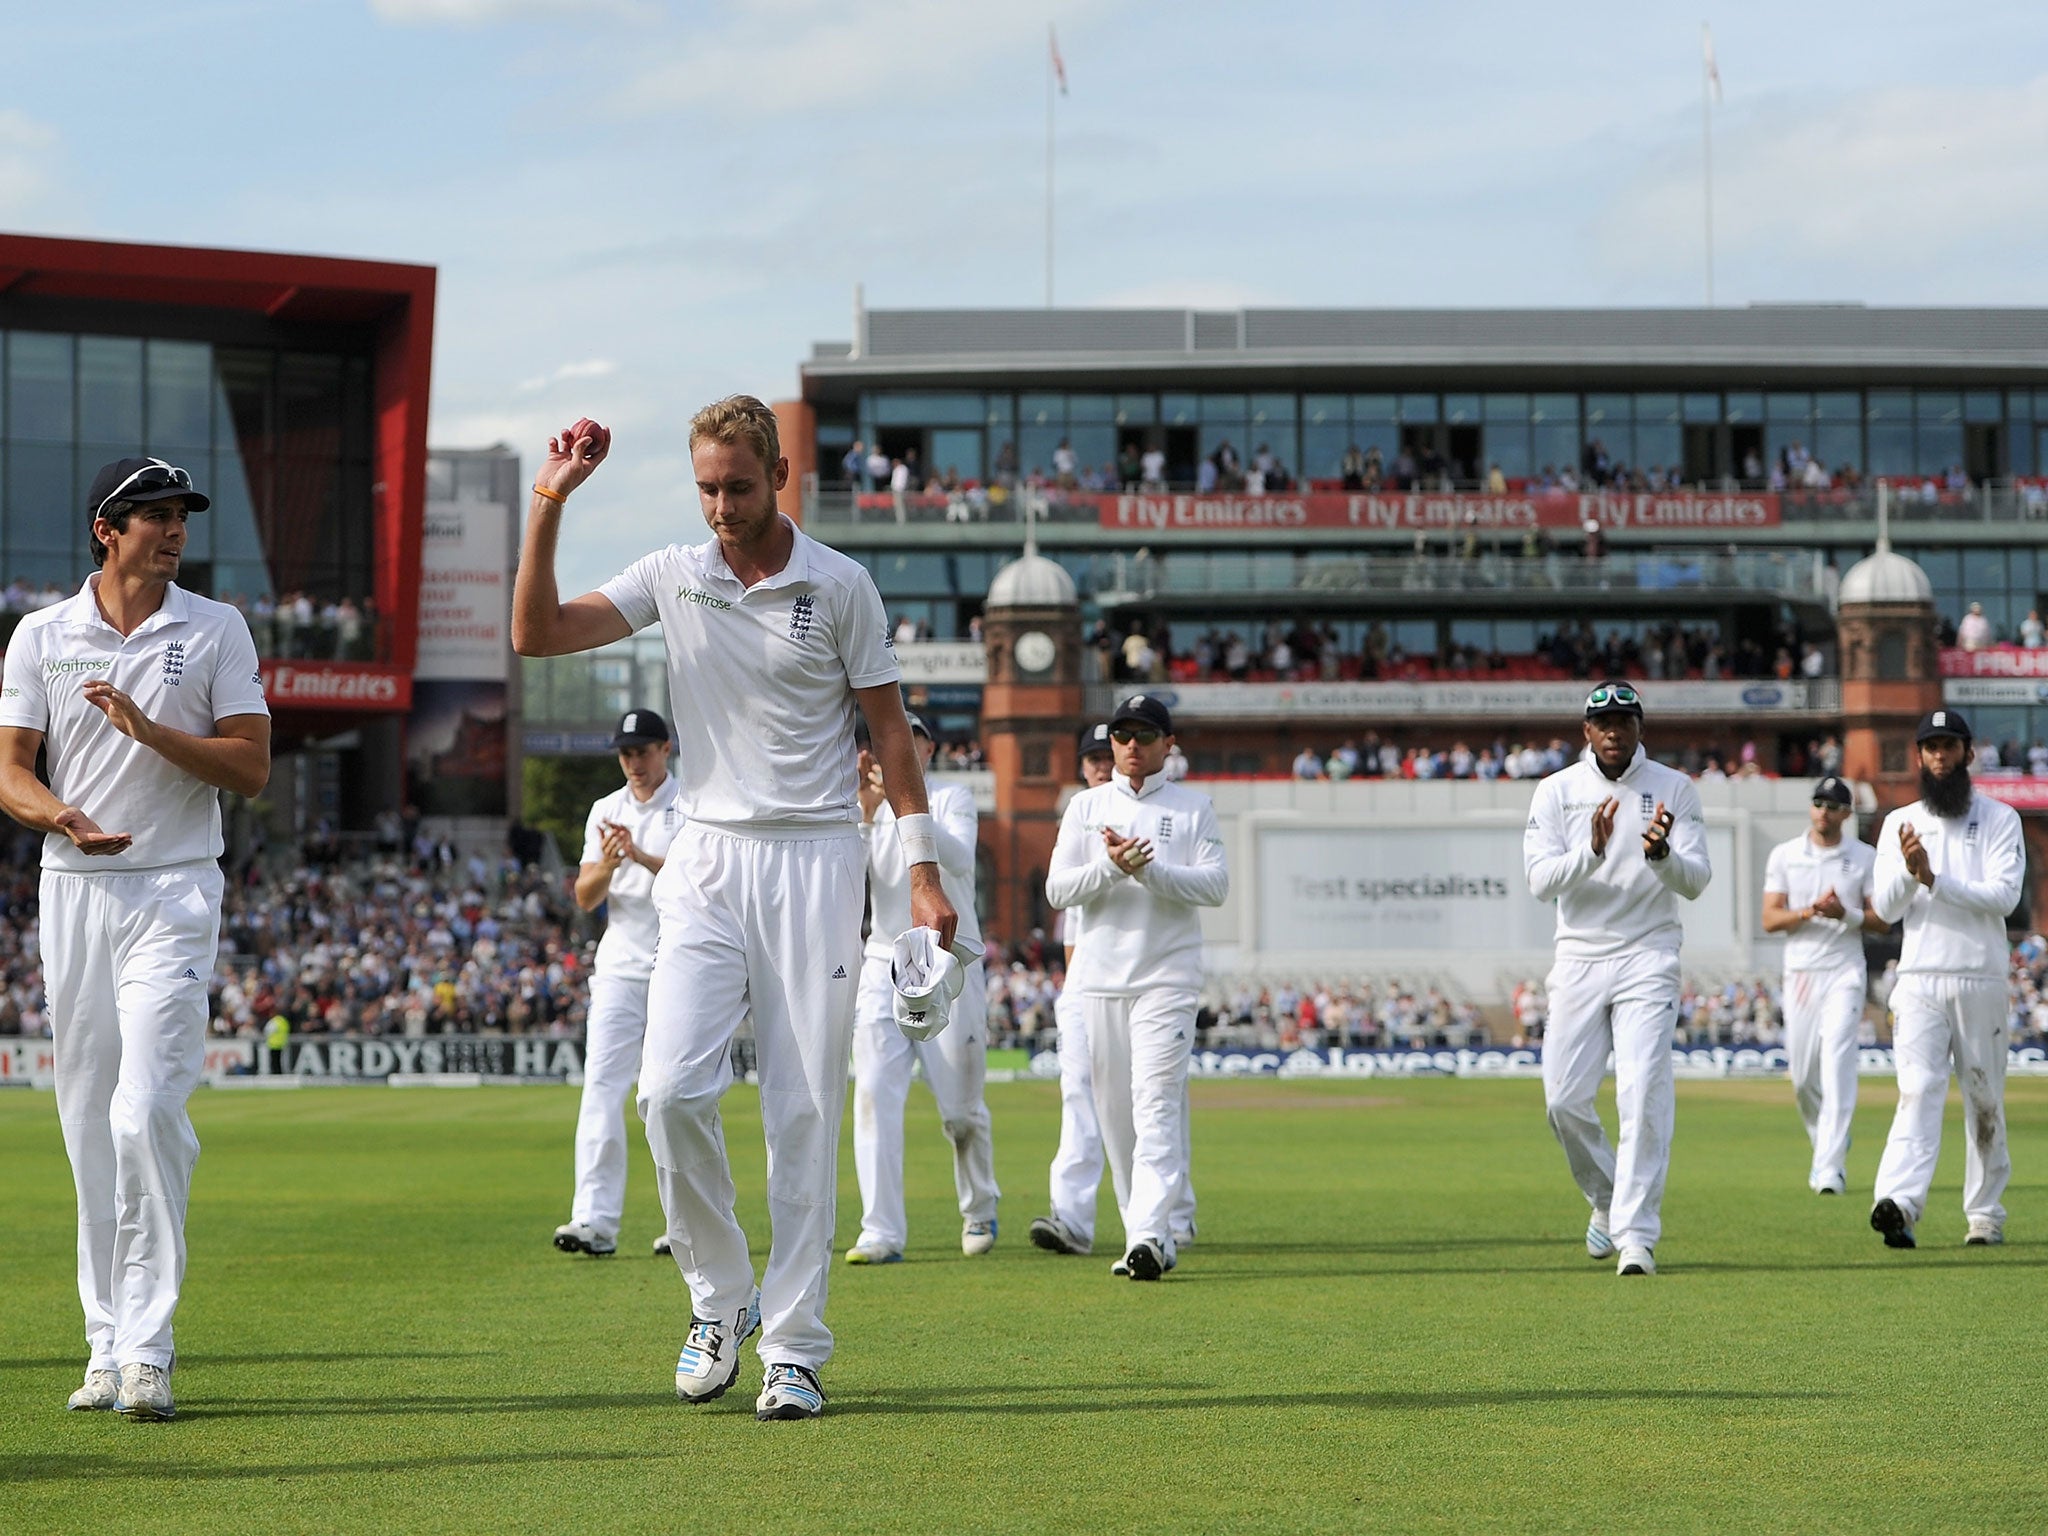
(1617, 841)
(1817, 893)
(1139, 856)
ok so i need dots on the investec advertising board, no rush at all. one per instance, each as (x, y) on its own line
(1396, 890)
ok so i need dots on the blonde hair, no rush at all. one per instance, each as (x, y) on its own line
(738, 419)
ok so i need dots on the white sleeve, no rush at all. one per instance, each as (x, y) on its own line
(1552, 862)
(236, 687)
(593, 836)
(1081, 870)
(1892, 886)
(22, 700)
(1202, 883)
(861, 631)
(1774, 873)
(2005, 863)
(633, 591)
(1686, 870)
(958, 825)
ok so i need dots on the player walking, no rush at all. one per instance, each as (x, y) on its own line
(625, 840)
(1817, 892)
(1077, 1163)
(1138, 856)
(955, 1061)
(1950, 864)
(773, 641)
(1616, 840)
(148, 701)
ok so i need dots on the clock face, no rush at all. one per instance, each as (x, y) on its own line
(1035, 651)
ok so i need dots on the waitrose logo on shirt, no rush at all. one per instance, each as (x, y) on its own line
(702, 599)
(72, 665)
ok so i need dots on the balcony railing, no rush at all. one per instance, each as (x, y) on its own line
(838, 504)
(1144, 577)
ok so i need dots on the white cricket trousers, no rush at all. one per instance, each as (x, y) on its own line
(1936, 1020)
(1138, 1050)
(1822, 1012)
(612, 1037)
(1627, 1005)
(772, 927)
(126, 960)
(955, 1067)
(1077, 1164)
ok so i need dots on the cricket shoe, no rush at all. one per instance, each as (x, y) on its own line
(1888, 1219)
(710, 1361)
(872, 1251)
(1984, 1234)
(1183, 1237)
(977, 1237)
(1599, 1243)
(663, 1248)
(1836, 1183)
(102, 1390)
(1636, 1261)
(582, 1237)
(1147, 1260)
(1055, 1236)
(145, 1394)
(789, 1392)
(1121, 1269)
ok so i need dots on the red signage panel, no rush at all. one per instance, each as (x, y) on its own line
(1998, 661)
(330, 685)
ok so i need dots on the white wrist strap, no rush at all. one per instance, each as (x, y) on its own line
(920, 838)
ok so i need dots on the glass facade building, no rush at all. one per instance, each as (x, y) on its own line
(278, 438)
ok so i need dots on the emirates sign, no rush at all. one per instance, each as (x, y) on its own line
(335, 685)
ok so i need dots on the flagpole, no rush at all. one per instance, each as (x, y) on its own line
(1051, 45)
(1707, 146)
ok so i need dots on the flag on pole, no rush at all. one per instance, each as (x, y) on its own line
(1059, 65)
(1707, 41)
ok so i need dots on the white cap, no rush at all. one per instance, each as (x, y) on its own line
(928, 976)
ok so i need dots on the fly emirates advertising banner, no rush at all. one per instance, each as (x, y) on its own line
(1402, 890)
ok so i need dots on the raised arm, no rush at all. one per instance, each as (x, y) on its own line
(1892, 885)
(1685, 870)
(542, 624)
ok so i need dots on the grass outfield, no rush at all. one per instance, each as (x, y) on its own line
(1389, 1323)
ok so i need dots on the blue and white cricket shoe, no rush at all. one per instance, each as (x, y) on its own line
(977, 1237)
(1636, 1261)
(710, 1361)
(1599, 1245)
(145, 1394)
(790, 1392)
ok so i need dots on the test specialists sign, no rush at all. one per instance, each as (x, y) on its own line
(1388, 891)
(1686, 1061)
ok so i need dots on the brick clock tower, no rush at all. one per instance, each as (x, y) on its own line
(1891, 670)
(1030, 721)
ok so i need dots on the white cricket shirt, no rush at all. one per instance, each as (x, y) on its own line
(1979, 859)
(1799, 870)
(1619, 904)
(189, 665)
(627, 948)
(1142, 931)
(957, 823)
(762, 680)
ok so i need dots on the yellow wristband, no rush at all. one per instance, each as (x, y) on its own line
(555, 496)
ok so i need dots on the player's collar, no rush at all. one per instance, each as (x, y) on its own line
(1153, 784)
(82, 609)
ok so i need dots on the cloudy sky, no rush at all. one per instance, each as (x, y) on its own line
(637, 205)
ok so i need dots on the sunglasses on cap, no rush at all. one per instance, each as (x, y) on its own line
(1828, 805)
(1143, 735)
(1613, 696)
(151, 477)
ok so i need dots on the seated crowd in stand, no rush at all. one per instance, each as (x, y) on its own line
(1279, 650)
(300, 627)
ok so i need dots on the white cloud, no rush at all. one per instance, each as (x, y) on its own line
(1894, 181)
(806, 55)
(471, 13)
(27, 151)
(589, 368)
